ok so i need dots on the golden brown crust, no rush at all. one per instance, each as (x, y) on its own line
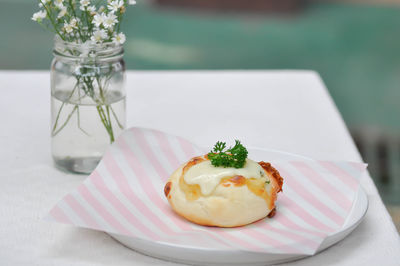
(272, 173)
(193, 162)
(272, 213)
(167, 188)
(237, 180)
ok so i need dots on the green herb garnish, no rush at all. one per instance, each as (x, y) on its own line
(232, 157)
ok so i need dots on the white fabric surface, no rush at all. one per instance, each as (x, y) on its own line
(284, 110)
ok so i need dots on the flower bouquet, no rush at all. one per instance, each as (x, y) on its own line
(87, 78)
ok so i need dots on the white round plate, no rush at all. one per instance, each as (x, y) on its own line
(195, 256)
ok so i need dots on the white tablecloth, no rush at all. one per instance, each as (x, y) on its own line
(284, 110)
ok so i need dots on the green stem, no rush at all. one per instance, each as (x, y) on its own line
(105, 113)
(74, 13)
(57, 118)
(109, 118)
(116, 118)
(79, 122)
(119, 21)
(62, 106)
(106, 120)
(100, 89)
(106, 123)
(88, 23)
(66, 121)
(52, 21)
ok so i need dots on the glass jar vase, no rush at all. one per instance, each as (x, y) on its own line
(87, 102)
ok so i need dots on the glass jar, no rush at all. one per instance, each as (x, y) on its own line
(87, 102)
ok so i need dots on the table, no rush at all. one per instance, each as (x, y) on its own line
(284, 110)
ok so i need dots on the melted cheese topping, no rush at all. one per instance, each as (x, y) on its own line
(208, 176)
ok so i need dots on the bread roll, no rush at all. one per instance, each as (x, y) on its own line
(223, 197)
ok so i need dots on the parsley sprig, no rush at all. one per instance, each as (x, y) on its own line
(232, 157)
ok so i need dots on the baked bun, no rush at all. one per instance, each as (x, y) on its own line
(223, 197)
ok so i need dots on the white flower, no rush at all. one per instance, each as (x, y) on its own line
(59, 3)
(113, 6)
(91, 9)
(73, 22)
(69, 27)
(38, 16)
(62, 12)
(119, 38)
(132, 2)
(99, 35)
(84, 3)
(110, 20)
(101, 9)
(98, 19)
(44, 2)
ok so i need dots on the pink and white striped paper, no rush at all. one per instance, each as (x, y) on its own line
(124, 195)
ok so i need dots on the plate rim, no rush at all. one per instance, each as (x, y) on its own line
(346, 229)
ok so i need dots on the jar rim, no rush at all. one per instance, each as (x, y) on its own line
(87, 49)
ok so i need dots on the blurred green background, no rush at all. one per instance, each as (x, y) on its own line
(353, 46)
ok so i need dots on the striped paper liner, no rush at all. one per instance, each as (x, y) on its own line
(124, 195)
